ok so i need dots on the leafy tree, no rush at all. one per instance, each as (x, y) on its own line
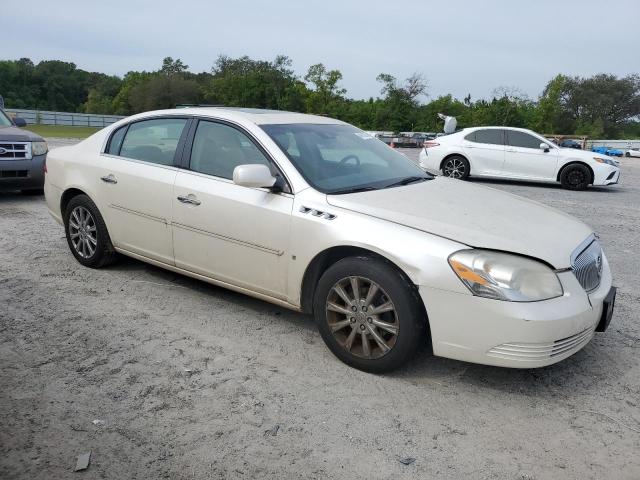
(326, 93)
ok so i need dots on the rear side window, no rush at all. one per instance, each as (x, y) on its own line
(523, 140)
(154, 140)
(493, 136)
(116, 141)
(218, 149)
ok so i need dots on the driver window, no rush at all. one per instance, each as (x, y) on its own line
(218, 149)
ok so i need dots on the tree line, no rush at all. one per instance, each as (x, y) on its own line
(600, 106)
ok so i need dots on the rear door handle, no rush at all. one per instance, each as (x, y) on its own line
(190, 199)
(109, 178)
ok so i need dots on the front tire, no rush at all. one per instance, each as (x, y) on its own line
(456, 166)
(87, 234)
(575, 177)
(369, 314)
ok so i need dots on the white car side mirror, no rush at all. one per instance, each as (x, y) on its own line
(544, 146)
(254, 176)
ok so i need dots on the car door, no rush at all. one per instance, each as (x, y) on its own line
(137, 175)
(484, 149)
(525, 159)
(235, 234)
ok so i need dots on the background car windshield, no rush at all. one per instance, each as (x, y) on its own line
(4, 120)
(336, 158)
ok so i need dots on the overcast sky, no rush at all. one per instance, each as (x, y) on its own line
(463, 46)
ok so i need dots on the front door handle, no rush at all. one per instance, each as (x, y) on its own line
(190, 199)
(109, 178)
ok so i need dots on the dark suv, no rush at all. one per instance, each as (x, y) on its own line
(22, 157)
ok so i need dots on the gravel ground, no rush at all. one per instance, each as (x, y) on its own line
(162, 376)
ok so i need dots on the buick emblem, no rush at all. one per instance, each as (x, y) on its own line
(3, 150)
(599, 263)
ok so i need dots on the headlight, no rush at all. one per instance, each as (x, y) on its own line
(503, 276)
(605, 160)
(39, 148)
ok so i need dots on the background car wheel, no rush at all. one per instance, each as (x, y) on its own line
(575, 177)
(369, 314)
(87, 234)
(627, 154)
(456, 166)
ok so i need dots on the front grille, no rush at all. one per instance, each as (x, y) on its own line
(15, 150)
(541, 351)
(587, 266)
(14, 173)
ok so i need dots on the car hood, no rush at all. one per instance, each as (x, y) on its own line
(15, 134)
(475, 215)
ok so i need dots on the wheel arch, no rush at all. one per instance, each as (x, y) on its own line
(67, 195)
(576, 162)
(324, 259)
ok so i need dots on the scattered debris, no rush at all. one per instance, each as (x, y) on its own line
(273, 431)
(83, 461)
(406, 460)
(97, 422)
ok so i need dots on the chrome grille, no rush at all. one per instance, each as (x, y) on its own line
(540, 351)
(587, 265)
(15, 150)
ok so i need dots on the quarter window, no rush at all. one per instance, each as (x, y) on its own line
(218, 149)
(154, 140)
(523, 140)
(116, 141)
(492, 136)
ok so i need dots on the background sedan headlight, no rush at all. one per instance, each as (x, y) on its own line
(39, 148)
(503, 276)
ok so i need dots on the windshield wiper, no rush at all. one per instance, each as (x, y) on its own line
(352, 190)
(407, 181)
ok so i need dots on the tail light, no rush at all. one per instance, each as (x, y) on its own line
(430, 144)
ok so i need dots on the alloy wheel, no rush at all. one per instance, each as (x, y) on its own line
(575, 177)
(83, 232)
(454, 168)
(362, 317)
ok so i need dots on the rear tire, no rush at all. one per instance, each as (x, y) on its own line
(87, 234)
(456, 166)
(379, 327)
(627, 154)
(575, 177)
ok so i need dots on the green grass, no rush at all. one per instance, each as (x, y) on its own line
(61, 131)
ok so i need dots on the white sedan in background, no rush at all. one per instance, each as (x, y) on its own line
(518, 154)
(315, 215)
(632, 152)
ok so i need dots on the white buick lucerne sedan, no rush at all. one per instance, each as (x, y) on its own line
(517, 154)
(318, 216)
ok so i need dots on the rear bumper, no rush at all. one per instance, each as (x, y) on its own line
(22, 174)
(510, 334)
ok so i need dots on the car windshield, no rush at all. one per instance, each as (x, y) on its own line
(338, 159)
(4, 120)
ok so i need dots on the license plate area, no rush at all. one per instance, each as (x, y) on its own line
(607, 310)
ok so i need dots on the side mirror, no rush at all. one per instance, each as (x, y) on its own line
(253, 176)
(19, 122)
(544, 146)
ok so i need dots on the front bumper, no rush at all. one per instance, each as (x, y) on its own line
(22, 174)
(511, 334)
(606, 175)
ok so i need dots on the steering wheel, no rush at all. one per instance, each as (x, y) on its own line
(349, 157)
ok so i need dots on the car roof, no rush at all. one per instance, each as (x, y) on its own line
(254, 115)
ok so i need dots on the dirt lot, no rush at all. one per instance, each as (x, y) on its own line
(186, 380)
